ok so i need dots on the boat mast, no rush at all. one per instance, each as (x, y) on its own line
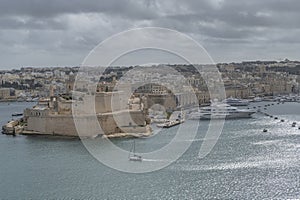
(133, 147)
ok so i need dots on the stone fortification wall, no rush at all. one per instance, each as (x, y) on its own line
(64, 124)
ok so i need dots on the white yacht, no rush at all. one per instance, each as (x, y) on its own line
(257, 99)
(224, 111)
(236, 102)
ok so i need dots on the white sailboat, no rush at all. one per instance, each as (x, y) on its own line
(133, 156)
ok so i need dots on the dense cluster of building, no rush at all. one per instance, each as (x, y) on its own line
(172, 85)
(29, 83)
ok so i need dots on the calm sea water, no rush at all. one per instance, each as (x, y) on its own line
(245, 164)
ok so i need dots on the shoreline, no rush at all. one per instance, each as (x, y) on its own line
(109, 136)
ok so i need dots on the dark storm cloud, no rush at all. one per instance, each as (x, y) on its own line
(43, 8)
(235, 19)
(74, 27)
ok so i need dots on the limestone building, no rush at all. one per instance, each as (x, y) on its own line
(116, 115)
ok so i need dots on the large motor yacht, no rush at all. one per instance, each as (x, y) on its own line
(219, 110)
(224, 111)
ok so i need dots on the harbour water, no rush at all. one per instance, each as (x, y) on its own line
(246, 163)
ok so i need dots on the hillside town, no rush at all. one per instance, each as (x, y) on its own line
(244, 80)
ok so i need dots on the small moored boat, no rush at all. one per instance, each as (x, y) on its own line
(17, 114)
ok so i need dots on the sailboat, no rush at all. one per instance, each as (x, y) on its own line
(134, 156)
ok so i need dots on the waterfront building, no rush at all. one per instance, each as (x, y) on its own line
(55, 116)
(7, 94)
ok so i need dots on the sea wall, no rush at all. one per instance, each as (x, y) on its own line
(57, 124)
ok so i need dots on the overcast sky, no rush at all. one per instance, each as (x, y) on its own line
(62, 32)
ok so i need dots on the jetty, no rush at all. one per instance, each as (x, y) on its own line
(175, 119)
